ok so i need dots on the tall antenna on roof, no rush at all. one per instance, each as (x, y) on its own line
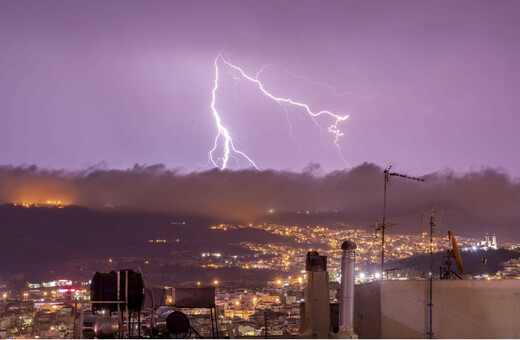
(387, 175)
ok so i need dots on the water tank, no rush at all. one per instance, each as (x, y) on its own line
(178, 323)
(106, 327)
(88, 326)
(103, 287)
(172, 322)
(161, 315)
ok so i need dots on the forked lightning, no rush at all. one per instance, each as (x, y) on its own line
(223, 135)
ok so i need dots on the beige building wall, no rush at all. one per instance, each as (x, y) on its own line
(367, 310)
(462, 309)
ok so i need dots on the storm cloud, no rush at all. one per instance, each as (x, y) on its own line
(249, 194)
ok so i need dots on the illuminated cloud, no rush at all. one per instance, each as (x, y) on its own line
(249, 194)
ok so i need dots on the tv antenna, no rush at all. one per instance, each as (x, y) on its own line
(387, 175)
(377, 227)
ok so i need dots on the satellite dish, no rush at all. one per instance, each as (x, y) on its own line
(456, 252)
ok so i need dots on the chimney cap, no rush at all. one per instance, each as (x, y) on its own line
(312, 253)
(349, 245)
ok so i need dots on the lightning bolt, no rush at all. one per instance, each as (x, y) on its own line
(337, 93)
(223, 135)
(223, 131)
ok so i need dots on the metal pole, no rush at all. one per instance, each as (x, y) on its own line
(139, 324)
(216, 322)
(75, 321)
(126, 303)
(81, 321)
(387, 173)
(384, 224)
(119, 317)
(430, 305)
(265, 322)
(212, 325)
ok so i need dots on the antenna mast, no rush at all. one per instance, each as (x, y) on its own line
(387, 175)
(430, 305)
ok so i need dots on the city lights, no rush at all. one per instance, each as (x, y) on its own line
(288, 258)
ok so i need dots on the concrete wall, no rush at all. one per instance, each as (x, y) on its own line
(462, 309)
(367, 310)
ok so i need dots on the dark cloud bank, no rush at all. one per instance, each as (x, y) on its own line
(248, 194)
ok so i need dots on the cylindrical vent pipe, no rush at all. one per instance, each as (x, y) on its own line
(346, 302)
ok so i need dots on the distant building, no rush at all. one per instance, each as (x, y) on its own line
(487, 243)
(490, 243)
(511, 269)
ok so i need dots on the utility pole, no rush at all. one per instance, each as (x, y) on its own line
(430, 305)
(387, 175)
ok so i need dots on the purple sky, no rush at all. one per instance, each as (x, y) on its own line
(124, 82)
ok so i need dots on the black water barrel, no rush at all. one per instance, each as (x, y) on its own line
(178, 323)
(103, 287)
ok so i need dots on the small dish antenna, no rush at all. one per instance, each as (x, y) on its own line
(456, 252)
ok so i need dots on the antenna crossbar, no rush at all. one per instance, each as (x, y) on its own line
(384, 225)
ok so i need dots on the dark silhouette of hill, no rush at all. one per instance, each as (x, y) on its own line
(44, 242)
(413, 221)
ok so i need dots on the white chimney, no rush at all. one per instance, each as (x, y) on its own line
(346, 302)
